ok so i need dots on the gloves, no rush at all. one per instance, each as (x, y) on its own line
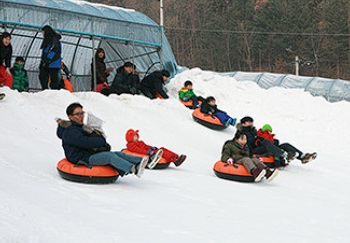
(185, 99)
(230, 161)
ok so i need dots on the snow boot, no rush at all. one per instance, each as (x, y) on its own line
(2, 96)
(228, 122)
(308, 157)
(291, 156)
(270, 174)
(258, 174)
(154, 159)
(180, 160)
(140, 167)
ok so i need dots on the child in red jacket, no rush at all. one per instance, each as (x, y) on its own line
(137, 146)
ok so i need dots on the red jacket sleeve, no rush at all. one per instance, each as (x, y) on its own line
(138, 147)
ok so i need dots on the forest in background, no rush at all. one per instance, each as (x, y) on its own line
(253, 35)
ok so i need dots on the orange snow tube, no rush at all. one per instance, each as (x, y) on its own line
(235, 172)
(68, 85)
(82, 173)
(268, 160)
(189, 104)
(162, 163)
(207, 120)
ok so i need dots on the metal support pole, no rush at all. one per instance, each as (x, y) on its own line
(161, 34)
(297, 66)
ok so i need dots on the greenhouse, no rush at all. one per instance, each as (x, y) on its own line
(124, 34)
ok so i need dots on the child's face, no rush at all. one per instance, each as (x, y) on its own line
(20, 63)
(212, 102)
(189, 86)
(135, 138)
(242, 140)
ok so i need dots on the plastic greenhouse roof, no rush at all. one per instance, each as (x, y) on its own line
(92, 9)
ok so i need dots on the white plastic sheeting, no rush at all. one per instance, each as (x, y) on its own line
(332, 89)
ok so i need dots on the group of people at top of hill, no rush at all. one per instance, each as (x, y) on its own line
(52, 69)
(248, 143)
(127, 80)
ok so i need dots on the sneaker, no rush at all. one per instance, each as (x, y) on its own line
(258, 174)
(154, 159)
(291, 156)
(180, 160)
(305, 158)
(270, 175)
(233, 122)
(140, 167)
(2, 96)
(308, 157)
(228, 122)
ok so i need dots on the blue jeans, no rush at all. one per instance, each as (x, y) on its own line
(118, 160)
(222, 116)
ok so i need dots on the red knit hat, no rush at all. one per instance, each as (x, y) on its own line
(129, 136)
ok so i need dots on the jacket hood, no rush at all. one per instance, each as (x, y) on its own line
(129, 136)
(239, 126)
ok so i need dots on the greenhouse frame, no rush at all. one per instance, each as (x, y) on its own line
(124, 34)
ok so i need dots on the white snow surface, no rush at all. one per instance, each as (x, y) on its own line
(304, 203)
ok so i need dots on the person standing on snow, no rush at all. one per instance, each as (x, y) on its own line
(50, 64)
(5, 56)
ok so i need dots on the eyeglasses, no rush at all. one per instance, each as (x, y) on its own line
(79, 114)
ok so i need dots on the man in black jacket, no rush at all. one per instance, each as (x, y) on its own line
(126, 81)
(152, 84)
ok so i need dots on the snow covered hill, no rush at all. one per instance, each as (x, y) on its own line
(305, 203)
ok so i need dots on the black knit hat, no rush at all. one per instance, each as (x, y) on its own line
(247, 119)
(129, 64)
(165, 73)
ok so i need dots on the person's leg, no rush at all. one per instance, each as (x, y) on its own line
(55, 78)
(290, 148)
(169, 155)
(276, 151)
(44, 77)
(222, 116)
(130, 158)
(257, 173)
(111, 158)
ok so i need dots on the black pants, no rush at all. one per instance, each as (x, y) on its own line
(265, 146)
(53, 73)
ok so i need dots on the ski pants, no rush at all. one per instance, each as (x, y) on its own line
(5, 78)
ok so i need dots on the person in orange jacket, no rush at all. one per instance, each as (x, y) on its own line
(134, 144)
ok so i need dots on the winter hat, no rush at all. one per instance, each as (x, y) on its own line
(266, 127)
(129, 136)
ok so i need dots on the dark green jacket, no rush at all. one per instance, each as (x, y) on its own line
(20, 78)
(233, 150)
(188, 93)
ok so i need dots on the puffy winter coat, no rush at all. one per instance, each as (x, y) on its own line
(154, 82)
(186, 93)
(266, 135)
(101, 75)
(206, 108)
(232, 149)
(51, 54)
(139, 147)
(125, 81)
(5, 54)
(250, 132)
(79, 144)
(20, 78)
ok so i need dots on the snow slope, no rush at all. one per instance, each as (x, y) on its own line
(305, 203)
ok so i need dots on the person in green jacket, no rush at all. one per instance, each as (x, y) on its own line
(237, 151)
(19, 74)
(187, 94)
